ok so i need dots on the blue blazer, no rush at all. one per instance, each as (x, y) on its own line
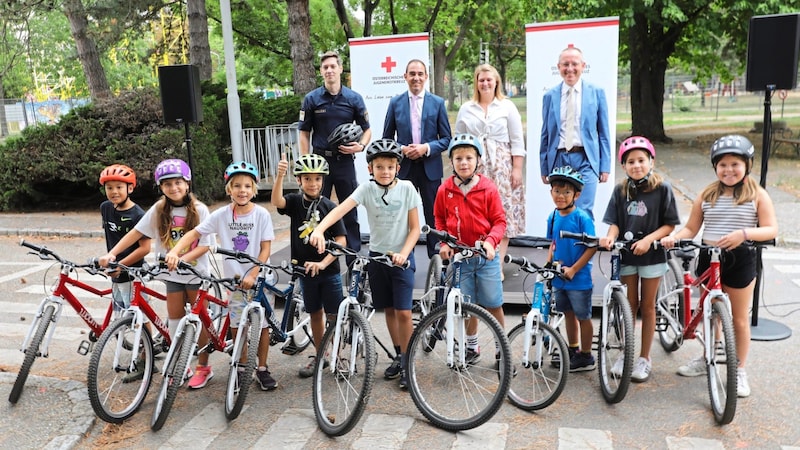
(435, 130)
(593, 128)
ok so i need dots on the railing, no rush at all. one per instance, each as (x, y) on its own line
(263, 148)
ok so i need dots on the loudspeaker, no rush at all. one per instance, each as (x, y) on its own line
(181, 100)
(773, 45)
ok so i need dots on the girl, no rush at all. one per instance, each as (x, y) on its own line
(643, 204)
(734, 209)
(173, 215)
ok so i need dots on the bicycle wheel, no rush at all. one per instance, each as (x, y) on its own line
(616, 342)
(174, 375)
(341, 394)
(722, 384)
(434, 296)
(301, 339)
(461, 396)
(538, 384)
(31, 353)
(240, 376)
(672, 301)
(115, 392)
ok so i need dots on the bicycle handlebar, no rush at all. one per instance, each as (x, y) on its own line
(453, 242)
(532, 267)
(689, 244)
(291, 268)
(336, 249)
(230, 283)
(144, 271)
(594, 241)
(45, 253)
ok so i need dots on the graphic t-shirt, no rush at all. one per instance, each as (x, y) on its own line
(303, 224)
(388, 220)
(116, 224)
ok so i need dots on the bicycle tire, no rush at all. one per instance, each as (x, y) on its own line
(460, 397)
(671, 338)
(340, 396)
(539, 384)
(722, 382)
(174, 375)
(434, 279)
(31, 352)
(617, 328)
(301, 339)
(239, 381)
(115, 393)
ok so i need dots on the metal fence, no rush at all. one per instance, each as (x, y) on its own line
(263, 148)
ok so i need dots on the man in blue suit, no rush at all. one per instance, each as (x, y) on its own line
(417, 120)
(575, 128)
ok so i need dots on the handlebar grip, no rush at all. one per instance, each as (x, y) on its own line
(226, 252)
(333, 245)
(34, 247)
(518, 260)
(442, 235)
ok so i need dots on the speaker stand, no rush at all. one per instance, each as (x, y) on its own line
(765, 329)
(188, 142)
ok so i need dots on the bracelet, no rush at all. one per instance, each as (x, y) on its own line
(744, 233)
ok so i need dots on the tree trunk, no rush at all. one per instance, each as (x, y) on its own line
(344, 19)
(88, 55)
(3, 122)
(302, 54)
(199, 49)
(439, 69)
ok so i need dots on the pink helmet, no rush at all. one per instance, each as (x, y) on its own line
(634, 143)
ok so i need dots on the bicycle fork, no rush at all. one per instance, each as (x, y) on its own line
(341, 315)
(44, 351)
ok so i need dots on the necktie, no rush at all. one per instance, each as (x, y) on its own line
(569, 130)
(415, 120)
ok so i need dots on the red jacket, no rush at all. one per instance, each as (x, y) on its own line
(477, 216)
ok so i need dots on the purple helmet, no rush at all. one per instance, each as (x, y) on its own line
(172, 168)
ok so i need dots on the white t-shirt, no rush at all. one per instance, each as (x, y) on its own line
(388, 224)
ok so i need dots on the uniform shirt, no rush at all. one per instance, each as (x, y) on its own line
(323, 112)
(565, 250)
(116, 224)
(303, 223)
(388, 224)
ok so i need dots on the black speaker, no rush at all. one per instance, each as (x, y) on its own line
(773, 45)
(181, 100)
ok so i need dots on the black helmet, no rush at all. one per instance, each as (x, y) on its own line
(732, 144)
(384, 147)
(344, 134)
(567, 174)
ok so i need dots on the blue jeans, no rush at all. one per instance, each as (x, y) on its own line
(480, 282)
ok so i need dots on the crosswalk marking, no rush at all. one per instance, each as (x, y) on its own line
(67, 311)
(201, 430)
(787, 268)
(17, 332)
(384, 432)
(21, 273)
(489, 436)
(580, 438)
(290, 431)
(689, 443)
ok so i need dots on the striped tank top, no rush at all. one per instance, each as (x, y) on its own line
(726, 216)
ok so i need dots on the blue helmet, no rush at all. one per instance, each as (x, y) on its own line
(465, 139)
(241, 167)
(568, 175)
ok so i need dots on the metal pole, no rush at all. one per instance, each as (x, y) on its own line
(234, 112)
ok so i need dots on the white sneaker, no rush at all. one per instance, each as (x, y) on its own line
(694, 368)
(742, 386)
(616, 369)
(641, 370)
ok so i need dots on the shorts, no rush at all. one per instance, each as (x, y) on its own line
(392, 287)
(236, 304)
(579, 302)
(322, 291)
(173, 287)
(649, 271)
(481, 282)
(737, 266)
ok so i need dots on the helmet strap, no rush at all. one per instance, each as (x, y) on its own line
(385, 188)
(634, 185)
(465, 181)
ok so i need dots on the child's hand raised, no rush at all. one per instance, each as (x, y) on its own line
(283, 165)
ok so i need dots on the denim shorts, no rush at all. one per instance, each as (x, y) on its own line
(481, 282)
(651, 271)
(322, 291)
(579, 302)
(236, 304)
(122, 295)
(180, 287)
(392, 287)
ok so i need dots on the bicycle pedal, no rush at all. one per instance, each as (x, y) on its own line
(290, 349)
(85, 347)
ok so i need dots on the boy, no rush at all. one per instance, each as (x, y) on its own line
(242, 226)
(391, 206)
(322, 271)
(468, 206)
(573, 297)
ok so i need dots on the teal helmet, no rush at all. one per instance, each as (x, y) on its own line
(567, 174)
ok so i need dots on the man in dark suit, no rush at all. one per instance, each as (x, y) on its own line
(417, 120)
(575, 128)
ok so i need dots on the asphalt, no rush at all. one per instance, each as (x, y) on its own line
(689, 173)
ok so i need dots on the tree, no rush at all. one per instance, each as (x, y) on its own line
(87, 49)
(304, 76)
(199, 49)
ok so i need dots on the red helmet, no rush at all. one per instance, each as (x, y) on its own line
(118, 172)
(636, 143)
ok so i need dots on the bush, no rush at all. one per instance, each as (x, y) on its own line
(57, 166)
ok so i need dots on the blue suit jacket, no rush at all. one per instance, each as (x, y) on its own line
(435, 130)
(593, 128)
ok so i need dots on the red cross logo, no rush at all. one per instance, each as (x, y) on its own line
(388, 64)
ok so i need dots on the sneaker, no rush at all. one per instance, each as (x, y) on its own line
(581, 362)
(618, 367)
(641, 370)
(308, 370)
(693, 368)
(189, 374)
(201, 377)
(265, 380)
(555, 360)
(403, 380)
(394, 369)
(742, 386)
(473, 356)
(137, 374)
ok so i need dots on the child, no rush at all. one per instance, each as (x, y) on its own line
(391, 206)
(246, 227)
(573, 297)
(643, 204)
(468, 206)
(322, 270)
(174, 214)
(734, 209)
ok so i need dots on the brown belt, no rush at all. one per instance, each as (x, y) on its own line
(573, 149)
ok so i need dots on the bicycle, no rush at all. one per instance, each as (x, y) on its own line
(345, 367)
(453, 392)
(37, 340)
(121, 367)
(616, 335)
(184, 343)
(538, 384)
(676, 322)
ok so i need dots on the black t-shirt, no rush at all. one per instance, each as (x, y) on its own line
(303, 223)
(117, 224)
